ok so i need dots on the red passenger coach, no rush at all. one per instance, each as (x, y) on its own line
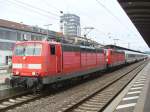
(36, 63)
(115, 57)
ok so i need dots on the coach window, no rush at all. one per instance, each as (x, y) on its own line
(52, 48)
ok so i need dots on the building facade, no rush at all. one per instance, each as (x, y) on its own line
(70, 25)
(10, 32)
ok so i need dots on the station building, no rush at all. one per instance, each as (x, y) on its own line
(10, 32)
(70, 25)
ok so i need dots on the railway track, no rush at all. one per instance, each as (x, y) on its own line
(17, 100)
(20, 98)
(25, 97)
(100, 98)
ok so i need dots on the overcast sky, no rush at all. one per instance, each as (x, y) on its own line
(106, 16)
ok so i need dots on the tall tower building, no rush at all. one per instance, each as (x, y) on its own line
(70, 25)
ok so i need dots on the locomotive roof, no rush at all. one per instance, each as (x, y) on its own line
(54, 42)
(120, 48)
(81, 46)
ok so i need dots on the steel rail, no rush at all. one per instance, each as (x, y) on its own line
(79, 106)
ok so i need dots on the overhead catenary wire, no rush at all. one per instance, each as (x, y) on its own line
(33, 10)
(50, 5)
(94, 28)
(110, 12)
(124, 25)
(39, 9)
(93, 23)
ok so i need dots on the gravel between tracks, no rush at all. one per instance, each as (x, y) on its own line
(52, 103)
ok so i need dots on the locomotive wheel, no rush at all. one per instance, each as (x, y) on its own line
(37, 88)
(12, 83)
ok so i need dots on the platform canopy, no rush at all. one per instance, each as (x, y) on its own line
(139, 12)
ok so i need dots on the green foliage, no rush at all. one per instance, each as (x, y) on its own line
(58, 39)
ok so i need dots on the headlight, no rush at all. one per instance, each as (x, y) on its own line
(106, 60)
(17, 73)
(33, 73)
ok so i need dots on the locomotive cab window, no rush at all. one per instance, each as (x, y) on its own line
(52, 49)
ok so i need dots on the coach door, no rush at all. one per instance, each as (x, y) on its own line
(56, 57)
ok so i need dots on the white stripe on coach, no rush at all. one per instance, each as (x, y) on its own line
(34, 66)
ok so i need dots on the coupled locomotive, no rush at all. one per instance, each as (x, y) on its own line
(37, 63)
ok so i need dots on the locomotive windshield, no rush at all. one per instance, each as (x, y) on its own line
(28, 50)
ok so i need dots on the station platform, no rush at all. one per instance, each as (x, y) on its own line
(135, 97)
(4, 69)
(5, 72)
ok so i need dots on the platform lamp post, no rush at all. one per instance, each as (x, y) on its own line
(61, 26)
(47, 25)
(61, 22)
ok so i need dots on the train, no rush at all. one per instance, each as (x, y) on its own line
(39, 63)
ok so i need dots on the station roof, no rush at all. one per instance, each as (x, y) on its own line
(27, 28)
(139, 13)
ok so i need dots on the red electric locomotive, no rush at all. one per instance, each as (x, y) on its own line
(115, 57)
(36, 63)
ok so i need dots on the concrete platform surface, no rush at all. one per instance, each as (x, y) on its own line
(4, 76)
(135, 97)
